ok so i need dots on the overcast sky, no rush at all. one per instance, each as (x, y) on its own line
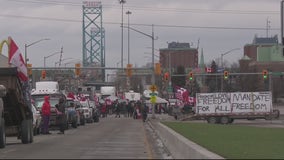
(219, 25)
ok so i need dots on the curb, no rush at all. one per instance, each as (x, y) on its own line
(179, 146)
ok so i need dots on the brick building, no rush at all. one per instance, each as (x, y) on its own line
(265, 53)
(178, 54)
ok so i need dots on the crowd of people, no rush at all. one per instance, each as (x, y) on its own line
(132, 109)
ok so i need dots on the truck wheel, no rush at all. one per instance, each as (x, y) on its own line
(74, 124)
(212, 120)
(276, 112)
(231, 120)
(31, 138)
(225, 120)
(268, 117)
(25, 129)
(83, 121)
(2, 134)
(66, 125)
(97, 119)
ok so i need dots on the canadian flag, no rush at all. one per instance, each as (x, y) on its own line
(16, 58)
(208, 70)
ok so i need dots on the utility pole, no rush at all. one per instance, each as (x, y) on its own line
(60, 56)
(122, 3)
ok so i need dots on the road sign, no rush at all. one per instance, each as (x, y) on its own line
(153, 94)
(170, 89)
(153, 99)
(153, 88)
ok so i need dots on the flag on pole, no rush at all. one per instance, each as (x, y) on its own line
(208, 70)
(16, 58)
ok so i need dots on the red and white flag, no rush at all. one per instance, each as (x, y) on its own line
(16, 58)
(208, 70)
(191, 99)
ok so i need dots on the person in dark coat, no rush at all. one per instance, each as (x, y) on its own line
(61, 115)
(45, 110)
(117, 109)
(144, 112)
(104, 110)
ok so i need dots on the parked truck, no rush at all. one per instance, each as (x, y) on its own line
(107, 91)
(15, 107)
(225, 107)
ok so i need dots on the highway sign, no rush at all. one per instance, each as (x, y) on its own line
(153, 99)
(153, 88)
(153, 94)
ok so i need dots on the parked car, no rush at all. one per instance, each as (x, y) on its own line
(87, 111)
(73, 114)
(36, 120)
(80, 111)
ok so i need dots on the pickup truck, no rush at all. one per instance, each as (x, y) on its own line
(16, 113)
(51, 89)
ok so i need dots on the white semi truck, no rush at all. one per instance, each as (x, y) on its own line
(225, 107)
(108, 91)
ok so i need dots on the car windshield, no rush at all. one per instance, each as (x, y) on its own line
(69, 103)
(52, 101)
(84, 104)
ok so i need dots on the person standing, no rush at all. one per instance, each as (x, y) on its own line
(144, 112)
(117, 109)
(61, 115)
(45, 110)
(128, 108)
(104, 110)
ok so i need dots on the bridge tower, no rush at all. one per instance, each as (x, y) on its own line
(93, 38)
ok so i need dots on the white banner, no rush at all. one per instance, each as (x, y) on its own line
(235, 102)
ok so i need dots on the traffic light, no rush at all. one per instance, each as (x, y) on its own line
(158, 68)
(226, 74)
(77, 69)
(43, 74)
(30, 72)
(190, 76)
(264, 74)
(129, 70)
(166, 76)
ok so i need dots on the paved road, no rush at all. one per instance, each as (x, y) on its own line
(123, 138)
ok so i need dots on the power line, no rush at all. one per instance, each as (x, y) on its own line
(154, 9)
(136, 24)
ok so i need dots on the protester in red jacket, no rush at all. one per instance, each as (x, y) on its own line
(45, 110)
(104, 110)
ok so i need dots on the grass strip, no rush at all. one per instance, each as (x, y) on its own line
(234, 141)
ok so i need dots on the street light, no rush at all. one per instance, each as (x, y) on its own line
(44, 58)
(153, 47)
(61, 61)
(222, 65)
(72, 62)
(117, 63)
(128, 13)
(122, 3)
(153, 60)
(28, 45)
(223, 54)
